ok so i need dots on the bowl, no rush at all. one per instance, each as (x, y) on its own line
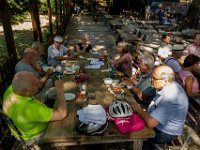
(119, 74)
(107, 81)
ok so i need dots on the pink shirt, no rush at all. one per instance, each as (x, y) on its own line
(183, 74)
(192, 49)
(125, 64)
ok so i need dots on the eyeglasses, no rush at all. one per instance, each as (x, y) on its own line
(154, 78)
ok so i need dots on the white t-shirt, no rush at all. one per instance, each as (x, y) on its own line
(164, 52)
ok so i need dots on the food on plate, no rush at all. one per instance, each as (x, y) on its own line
(116, 90)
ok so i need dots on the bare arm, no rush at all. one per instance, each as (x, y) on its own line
(120, 60)
(142, 96)
(188, 87)
(150, 121)
(130, 81)
(37, 68)
(60, 112)
(45, 77)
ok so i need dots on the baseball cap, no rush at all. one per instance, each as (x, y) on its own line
(58, 38)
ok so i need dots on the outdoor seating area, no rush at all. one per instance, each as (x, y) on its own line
(79, 106)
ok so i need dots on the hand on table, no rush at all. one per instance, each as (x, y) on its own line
(50, 71)
(126, 81)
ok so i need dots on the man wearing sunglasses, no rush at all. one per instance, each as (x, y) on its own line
(167, 111)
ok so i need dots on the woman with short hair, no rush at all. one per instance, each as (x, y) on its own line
(190, 83)
(124, 63)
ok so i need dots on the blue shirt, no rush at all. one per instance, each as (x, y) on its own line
(21, 66)
(53, 53)
(169, 108)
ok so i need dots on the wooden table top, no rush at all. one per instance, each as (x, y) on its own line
(108, 17)
(115, 22)
(63, 131)
(103, 12)
(128, 36)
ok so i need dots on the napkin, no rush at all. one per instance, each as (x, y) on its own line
(92, 66)
(96, 61)
(81, 57)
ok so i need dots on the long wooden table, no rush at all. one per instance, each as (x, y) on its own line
(62, 134)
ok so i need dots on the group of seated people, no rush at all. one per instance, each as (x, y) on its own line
(163, 102)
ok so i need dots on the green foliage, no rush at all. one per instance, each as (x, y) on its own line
(2, 42)
(43, 9)
(15, 19)
(18, 6)
(110, 3)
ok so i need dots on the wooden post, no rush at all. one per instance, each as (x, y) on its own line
(60, 9)
(56, 13)
(35, 18)
(10, 43)
(50, 18)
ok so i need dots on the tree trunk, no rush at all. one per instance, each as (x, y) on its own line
(64, 7)
(33, 8)
(60, 10)
(10, 43)
(191, 18)
(56, 13)
(50, 18)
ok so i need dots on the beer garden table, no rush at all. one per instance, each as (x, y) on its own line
(115, 24)
(62, 134)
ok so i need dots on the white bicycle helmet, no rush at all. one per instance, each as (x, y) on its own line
(120, 109)
(90, 128)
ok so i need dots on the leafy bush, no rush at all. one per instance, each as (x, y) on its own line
(43, 9)
(15, 19)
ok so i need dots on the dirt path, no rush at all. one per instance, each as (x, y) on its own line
(27, 24)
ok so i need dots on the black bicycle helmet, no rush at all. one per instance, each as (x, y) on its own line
(90, 128)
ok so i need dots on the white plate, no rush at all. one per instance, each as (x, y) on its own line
(45, 68)
(70, 71)
(69, 96)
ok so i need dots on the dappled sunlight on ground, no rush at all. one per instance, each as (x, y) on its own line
(99, 47)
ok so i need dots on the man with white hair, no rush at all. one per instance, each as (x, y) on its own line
(30, 116)
(56, 52)
(142, 87)
(167, 111)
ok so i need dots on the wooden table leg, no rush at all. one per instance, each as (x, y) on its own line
(137, 145)
(137, 48)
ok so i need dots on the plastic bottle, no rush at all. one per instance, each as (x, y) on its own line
(112, 73)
